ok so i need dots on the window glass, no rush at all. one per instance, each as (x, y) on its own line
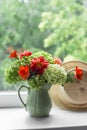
(67, 23)
(57, 26)
(19, 30)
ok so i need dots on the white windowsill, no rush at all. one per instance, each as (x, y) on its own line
(11, 99)
(19, 118)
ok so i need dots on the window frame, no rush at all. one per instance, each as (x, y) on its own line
(11, 99)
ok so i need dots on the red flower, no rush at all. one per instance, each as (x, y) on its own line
(25, 53)
(38, 65)
(24, 72)
(57, 61)
(78, 73)
(13, 54)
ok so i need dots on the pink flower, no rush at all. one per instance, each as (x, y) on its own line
(25, 53)
(57, 61)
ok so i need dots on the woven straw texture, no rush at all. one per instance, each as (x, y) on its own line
(73, 96)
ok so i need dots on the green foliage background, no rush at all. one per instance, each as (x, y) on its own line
(57, 26)
(19, 30)
(67, 23)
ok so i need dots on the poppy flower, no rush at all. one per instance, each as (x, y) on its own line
(57, 61)
(25, 53)
(13, 54)
(24, 72)
(38, 65)
(78, 73)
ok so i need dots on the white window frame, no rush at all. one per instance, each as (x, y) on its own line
(11, 99)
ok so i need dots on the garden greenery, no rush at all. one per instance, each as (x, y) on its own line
(67, 24)
(19, 29)
(62, 31)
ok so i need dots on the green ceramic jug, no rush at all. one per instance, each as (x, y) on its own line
(38, 102)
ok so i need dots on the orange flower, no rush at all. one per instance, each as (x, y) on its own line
(24, 72)
(78, 73)
(13, 54)
(38, 65)
(25, 53)
(57, 61)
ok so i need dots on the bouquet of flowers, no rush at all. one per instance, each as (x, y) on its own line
(37, 69)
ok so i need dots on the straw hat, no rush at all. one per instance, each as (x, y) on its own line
(72, 96)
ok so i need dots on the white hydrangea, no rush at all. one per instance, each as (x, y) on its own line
(55, 74)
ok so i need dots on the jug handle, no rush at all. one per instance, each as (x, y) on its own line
(19, 90)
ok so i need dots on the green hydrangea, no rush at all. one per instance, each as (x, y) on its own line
(37, 81)
(11, 74)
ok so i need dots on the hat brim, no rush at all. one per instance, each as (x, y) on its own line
(57, 96)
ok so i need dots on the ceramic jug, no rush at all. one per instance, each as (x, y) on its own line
(38, 102)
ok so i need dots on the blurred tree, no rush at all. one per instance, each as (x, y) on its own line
(19, 21)
(67, 24)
